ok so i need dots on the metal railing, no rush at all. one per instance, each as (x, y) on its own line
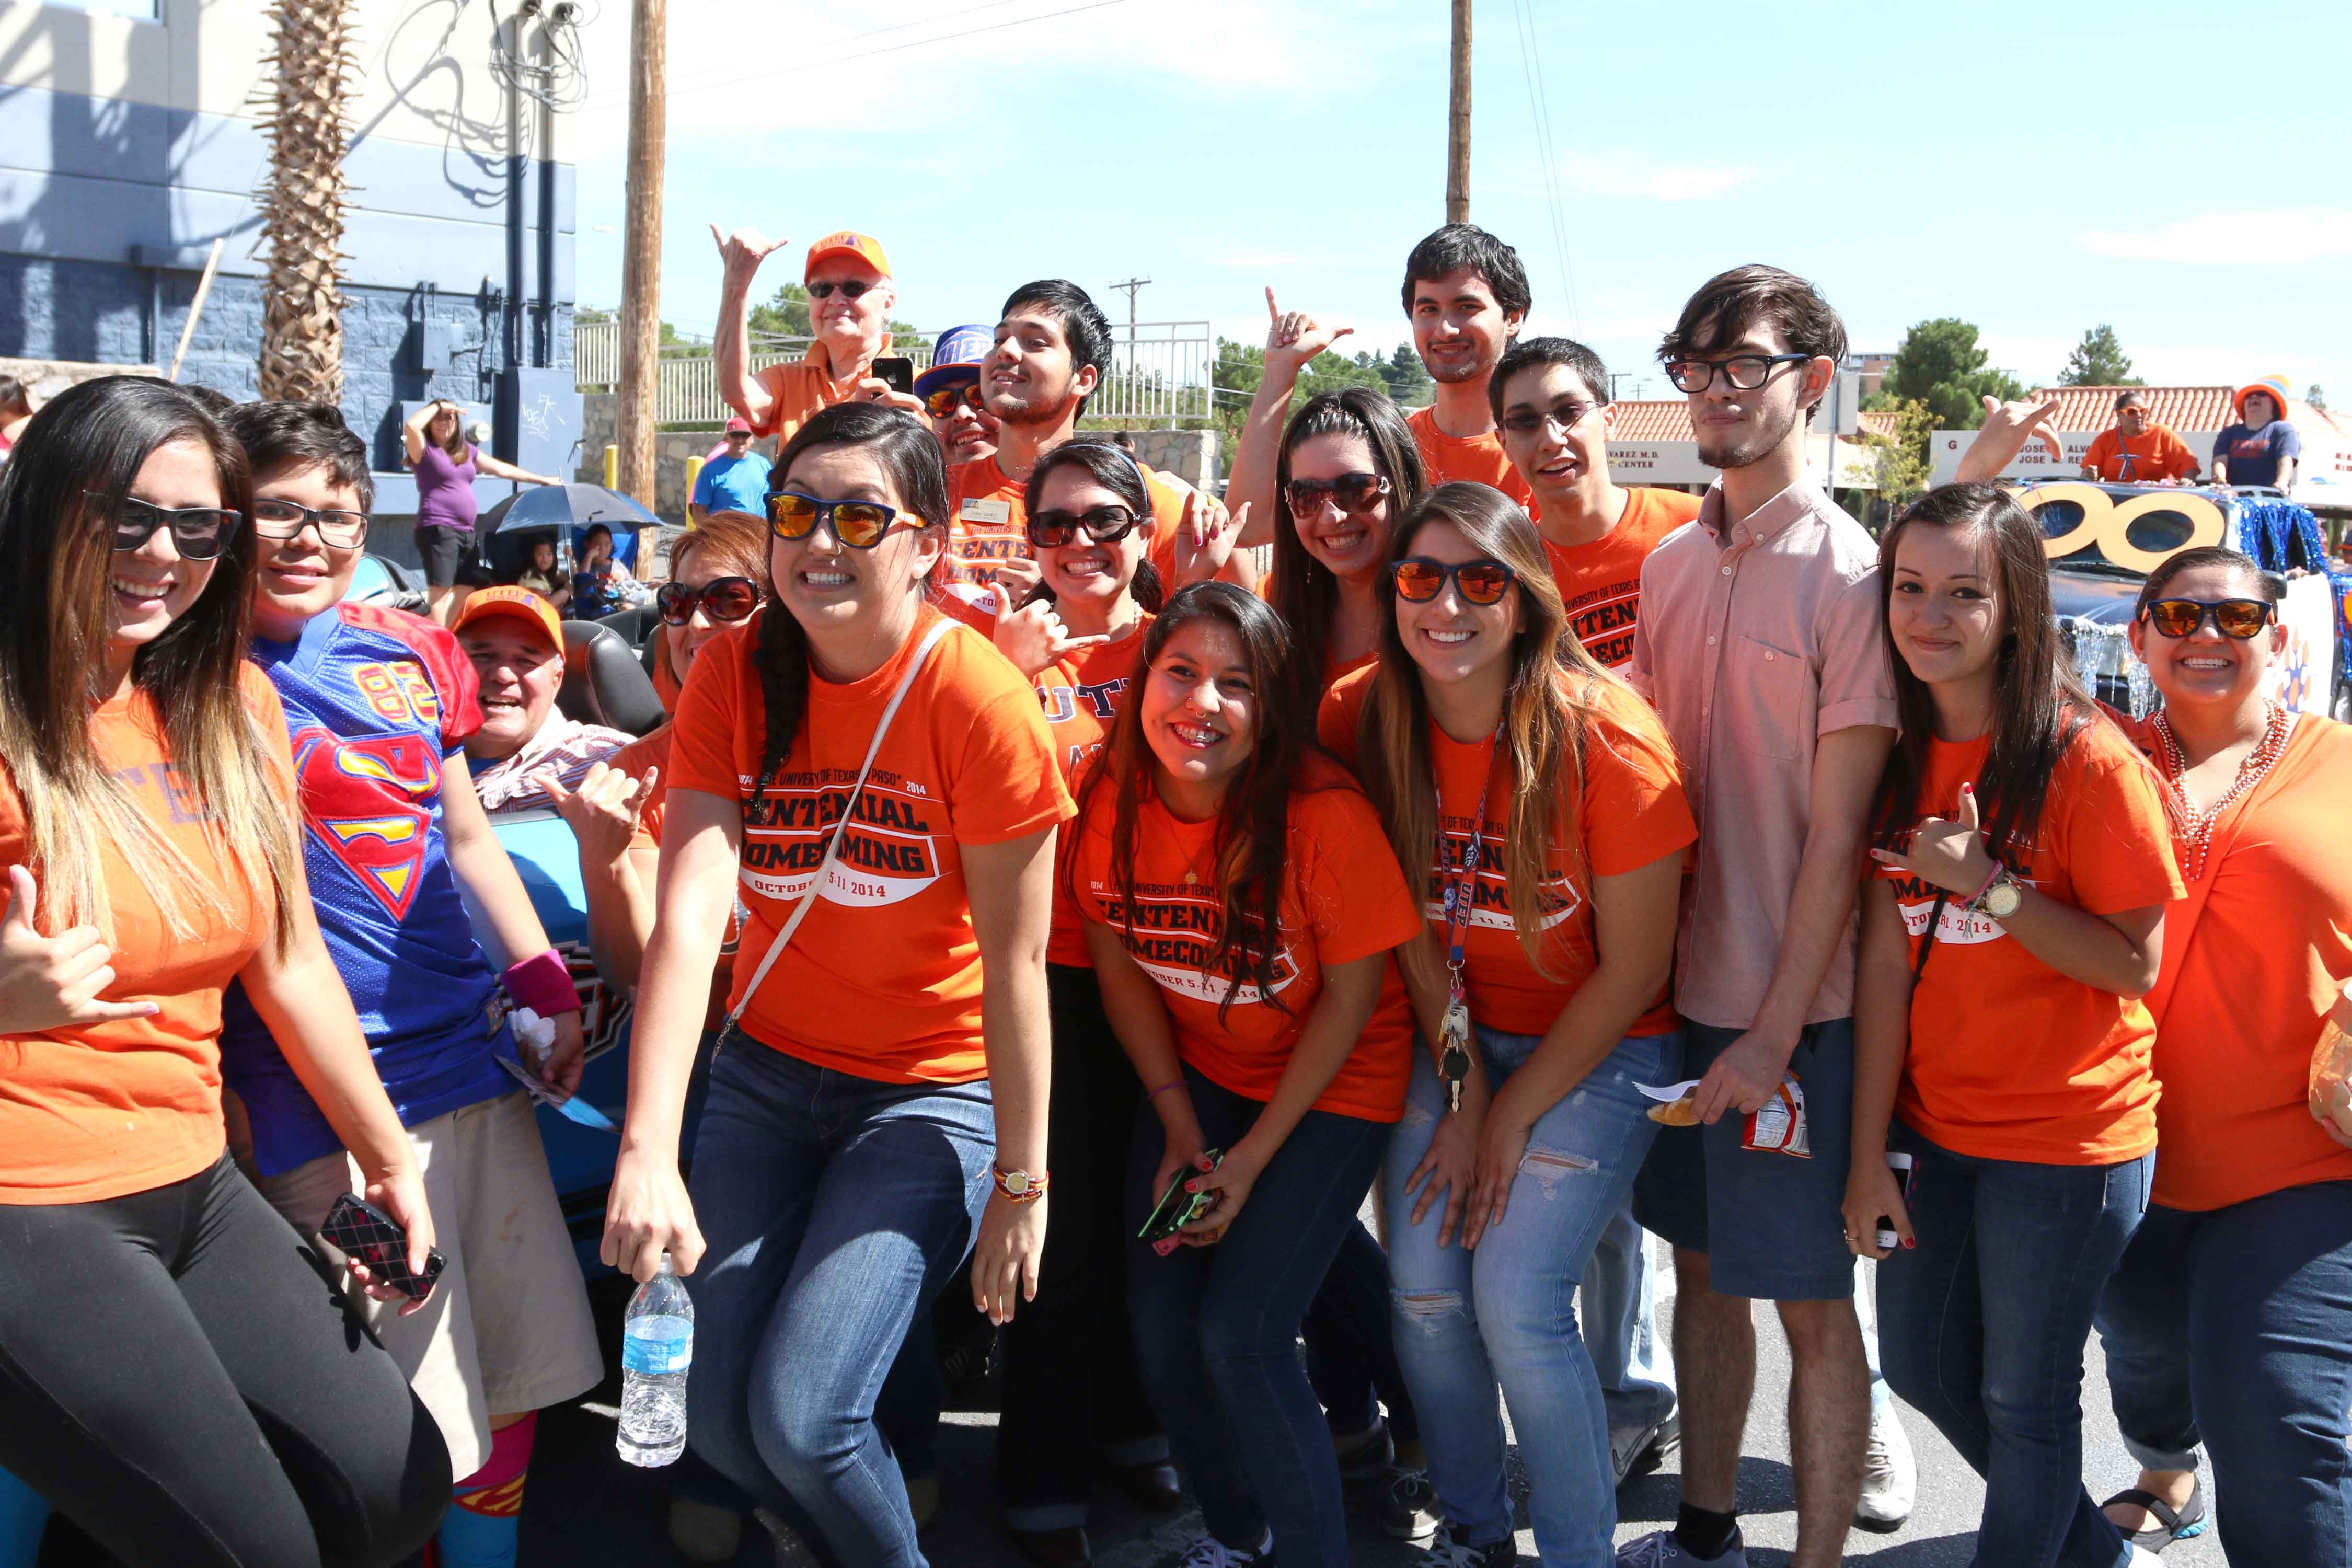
(1161, 374)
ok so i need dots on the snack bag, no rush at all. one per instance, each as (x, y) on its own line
(2331, 1080)
(1778, 1126)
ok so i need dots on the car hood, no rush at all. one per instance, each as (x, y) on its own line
(2094, 596)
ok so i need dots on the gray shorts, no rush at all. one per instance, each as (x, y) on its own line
(1772, 1226)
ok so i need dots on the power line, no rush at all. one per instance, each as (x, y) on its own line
(954, 15)
(1546, 152)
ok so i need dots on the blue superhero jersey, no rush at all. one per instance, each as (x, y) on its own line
(376, 700)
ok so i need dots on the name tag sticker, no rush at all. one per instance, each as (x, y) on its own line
(978, 509)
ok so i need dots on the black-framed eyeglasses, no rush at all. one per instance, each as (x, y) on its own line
(198, 532)
(2238, 618)
(1352, 493)
(1104, 525)
(859, 524)
(1743, 373)
(339, 528)
(850, 287)
(1528, 421)
(721, 598)
(1419, 580)
(942, 401)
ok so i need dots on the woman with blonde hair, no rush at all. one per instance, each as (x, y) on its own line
(1542, 801)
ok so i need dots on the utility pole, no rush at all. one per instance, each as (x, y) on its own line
(1458, 122)
(1133, 286)
(641, 250)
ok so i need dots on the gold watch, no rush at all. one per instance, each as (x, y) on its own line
(2002, 896)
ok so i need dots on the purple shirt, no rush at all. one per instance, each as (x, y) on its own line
(445, 489)
(1757, 636)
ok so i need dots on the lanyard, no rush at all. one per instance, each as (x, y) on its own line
(1461, 890)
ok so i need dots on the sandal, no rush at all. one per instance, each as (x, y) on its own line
(2188, 1522)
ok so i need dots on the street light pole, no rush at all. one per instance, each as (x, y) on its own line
(1133, 287)
(641, 247)
(1458, 122)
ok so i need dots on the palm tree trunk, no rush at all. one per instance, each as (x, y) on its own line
(310, 120)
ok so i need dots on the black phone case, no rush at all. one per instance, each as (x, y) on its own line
(367, 1235)
(896, 369)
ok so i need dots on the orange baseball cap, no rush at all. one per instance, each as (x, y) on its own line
(848, 242)
(520, 603)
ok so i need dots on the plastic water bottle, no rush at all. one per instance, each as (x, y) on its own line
(657, 1349)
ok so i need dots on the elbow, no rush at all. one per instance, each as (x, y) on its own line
(2139, 976)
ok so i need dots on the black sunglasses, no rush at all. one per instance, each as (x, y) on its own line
(338, 528)
(942, 401)
(850, 287)
(198, 532)
(1352, 493)
(2239, 618)
(859, 524)
(1566, 415)
(1104, 525)
(1744, 372)
(721, 598)
(1419, 580)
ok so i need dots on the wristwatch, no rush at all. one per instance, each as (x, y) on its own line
(2002, 896)
(1021, 1187)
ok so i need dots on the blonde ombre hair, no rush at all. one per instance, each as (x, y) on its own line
(1554, 688)
(70, 470)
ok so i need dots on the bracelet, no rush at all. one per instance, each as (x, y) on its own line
(1977, 897)
(1163, 1088)
(1021, 1187)
(542, 984)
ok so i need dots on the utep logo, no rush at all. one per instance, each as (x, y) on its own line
(361, 800)
(1060, 702)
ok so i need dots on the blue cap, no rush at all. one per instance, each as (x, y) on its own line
(956, 357)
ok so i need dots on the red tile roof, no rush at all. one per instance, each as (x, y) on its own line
(1662, 421)
(2181, 407)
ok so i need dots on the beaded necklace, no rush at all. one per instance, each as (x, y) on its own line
(2199, 836)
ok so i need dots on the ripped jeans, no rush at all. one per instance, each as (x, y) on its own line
(1505, 1313)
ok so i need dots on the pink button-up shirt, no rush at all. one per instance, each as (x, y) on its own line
(1757, 636)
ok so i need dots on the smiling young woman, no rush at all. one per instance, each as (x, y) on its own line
(2024, 864)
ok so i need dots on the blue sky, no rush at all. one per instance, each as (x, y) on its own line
(2179, 170)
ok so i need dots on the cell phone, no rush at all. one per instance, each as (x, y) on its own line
(1901, 1165)
(365, 1234)
(1177, 1207)
(897, 370)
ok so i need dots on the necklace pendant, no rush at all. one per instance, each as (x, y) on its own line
(1192, 879)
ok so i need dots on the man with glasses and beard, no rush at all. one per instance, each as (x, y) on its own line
(1052, 349)
(1760, 642)
(850, 298)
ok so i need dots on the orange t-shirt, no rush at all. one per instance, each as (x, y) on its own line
(100, 1110)
(2155, 454)
(882, 980)
(798, 391)
(987, 521)
(1343, 898)
(1633, 812)
(2247, 987)
(2009, 1059)
(1478, 457)
(1082, 697)
(1600, 583)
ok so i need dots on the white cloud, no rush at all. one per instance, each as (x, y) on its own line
(2294, 236)
(1641, 178)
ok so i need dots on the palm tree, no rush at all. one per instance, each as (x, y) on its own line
(308, 124)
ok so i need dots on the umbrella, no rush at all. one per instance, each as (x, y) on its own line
(554, 506)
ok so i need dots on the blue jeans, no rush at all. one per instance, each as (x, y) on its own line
(2235, 1326)
(833, 1209)
(1216, 1327)
(1505, 1312)
(1982, 1326)
(1620, 1306)
(1350, 1357)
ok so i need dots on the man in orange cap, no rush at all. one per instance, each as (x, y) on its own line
(516, 646)
(851, 297)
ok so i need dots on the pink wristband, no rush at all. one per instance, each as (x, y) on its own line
(1997, 870)
(1163, 1088)
(542, 984)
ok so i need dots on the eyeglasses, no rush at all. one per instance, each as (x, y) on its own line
(721, 598)
(942, 401)
(1744, 372)
(1419, 580)
(1104, 525)
(1352, 493)
(338, 528)
(198, 532)
(1528, 421)
(850, 287)
(859, 524)
(2239, 618)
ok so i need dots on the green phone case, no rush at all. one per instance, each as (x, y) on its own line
(1178, 1209)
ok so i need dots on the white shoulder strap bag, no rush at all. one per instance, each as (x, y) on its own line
(832, 846)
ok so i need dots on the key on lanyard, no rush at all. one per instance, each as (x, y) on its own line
(1454, 1035)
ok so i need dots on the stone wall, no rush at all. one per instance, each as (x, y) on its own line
(45, 378)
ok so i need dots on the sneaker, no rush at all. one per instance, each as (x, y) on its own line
(1453, 1550)
(1661, 1549)
(1211, 1552)
(1638, 1450)
(1890, 1480)
(1367, 1456)
(1409, 1511)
